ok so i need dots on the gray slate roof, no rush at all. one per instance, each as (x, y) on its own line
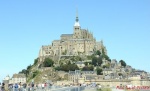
(107, 69)
(79, 62)
(66, 35)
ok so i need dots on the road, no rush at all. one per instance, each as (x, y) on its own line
(90, 89)
(114, 89)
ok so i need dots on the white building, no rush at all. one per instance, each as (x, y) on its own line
(6, 79)
(17, 78)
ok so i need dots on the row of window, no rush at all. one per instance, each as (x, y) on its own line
(76, 28)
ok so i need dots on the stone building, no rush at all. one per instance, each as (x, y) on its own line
(6, 79)
(107, 71)
(74, 76)
(81, 41)
(17, 78)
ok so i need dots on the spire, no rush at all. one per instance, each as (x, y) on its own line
(102, 42)
(77, 19)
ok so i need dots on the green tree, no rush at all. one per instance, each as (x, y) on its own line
(69, 62)
(66, 67)
(109, 60)
(58, 68)
(106, 66)
(72, 58)
(91, 67)
(86, 63)
(35, 73)
(94, 61)
(48, 62)
(29, 67)
(73, 67)
(99, 71)
(35, 61)
(99, 61)
(24, 71)
(88, 68)
(106, 57)
(98, 52)
(78, 58)
(103, 51)
(89, 57)
(27, 73)
(123, 63)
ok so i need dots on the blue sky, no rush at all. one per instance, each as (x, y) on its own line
(26, 25)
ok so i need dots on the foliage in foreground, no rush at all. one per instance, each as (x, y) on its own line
(67, 67)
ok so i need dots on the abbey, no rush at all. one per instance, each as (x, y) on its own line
(80, 42)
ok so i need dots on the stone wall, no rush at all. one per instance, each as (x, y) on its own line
(115, 83)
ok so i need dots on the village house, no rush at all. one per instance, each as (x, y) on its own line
(17, 78)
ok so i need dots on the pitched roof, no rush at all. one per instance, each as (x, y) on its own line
(66, 35)
(56, 40)
(79, 62)
(71, 72)
(107, 69)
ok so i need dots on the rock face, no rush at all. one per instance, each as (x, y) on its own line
(45, 74)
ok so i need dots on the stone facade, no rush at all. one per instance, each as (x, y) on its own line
(80, 42)
(74, 76)
(6, 79)
(17, 78)
(89, 77)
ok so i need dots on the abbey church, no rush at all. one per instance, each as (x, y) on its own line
(80, 42)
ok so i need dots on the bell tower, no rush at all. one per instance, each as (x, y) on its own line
(77, 28)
